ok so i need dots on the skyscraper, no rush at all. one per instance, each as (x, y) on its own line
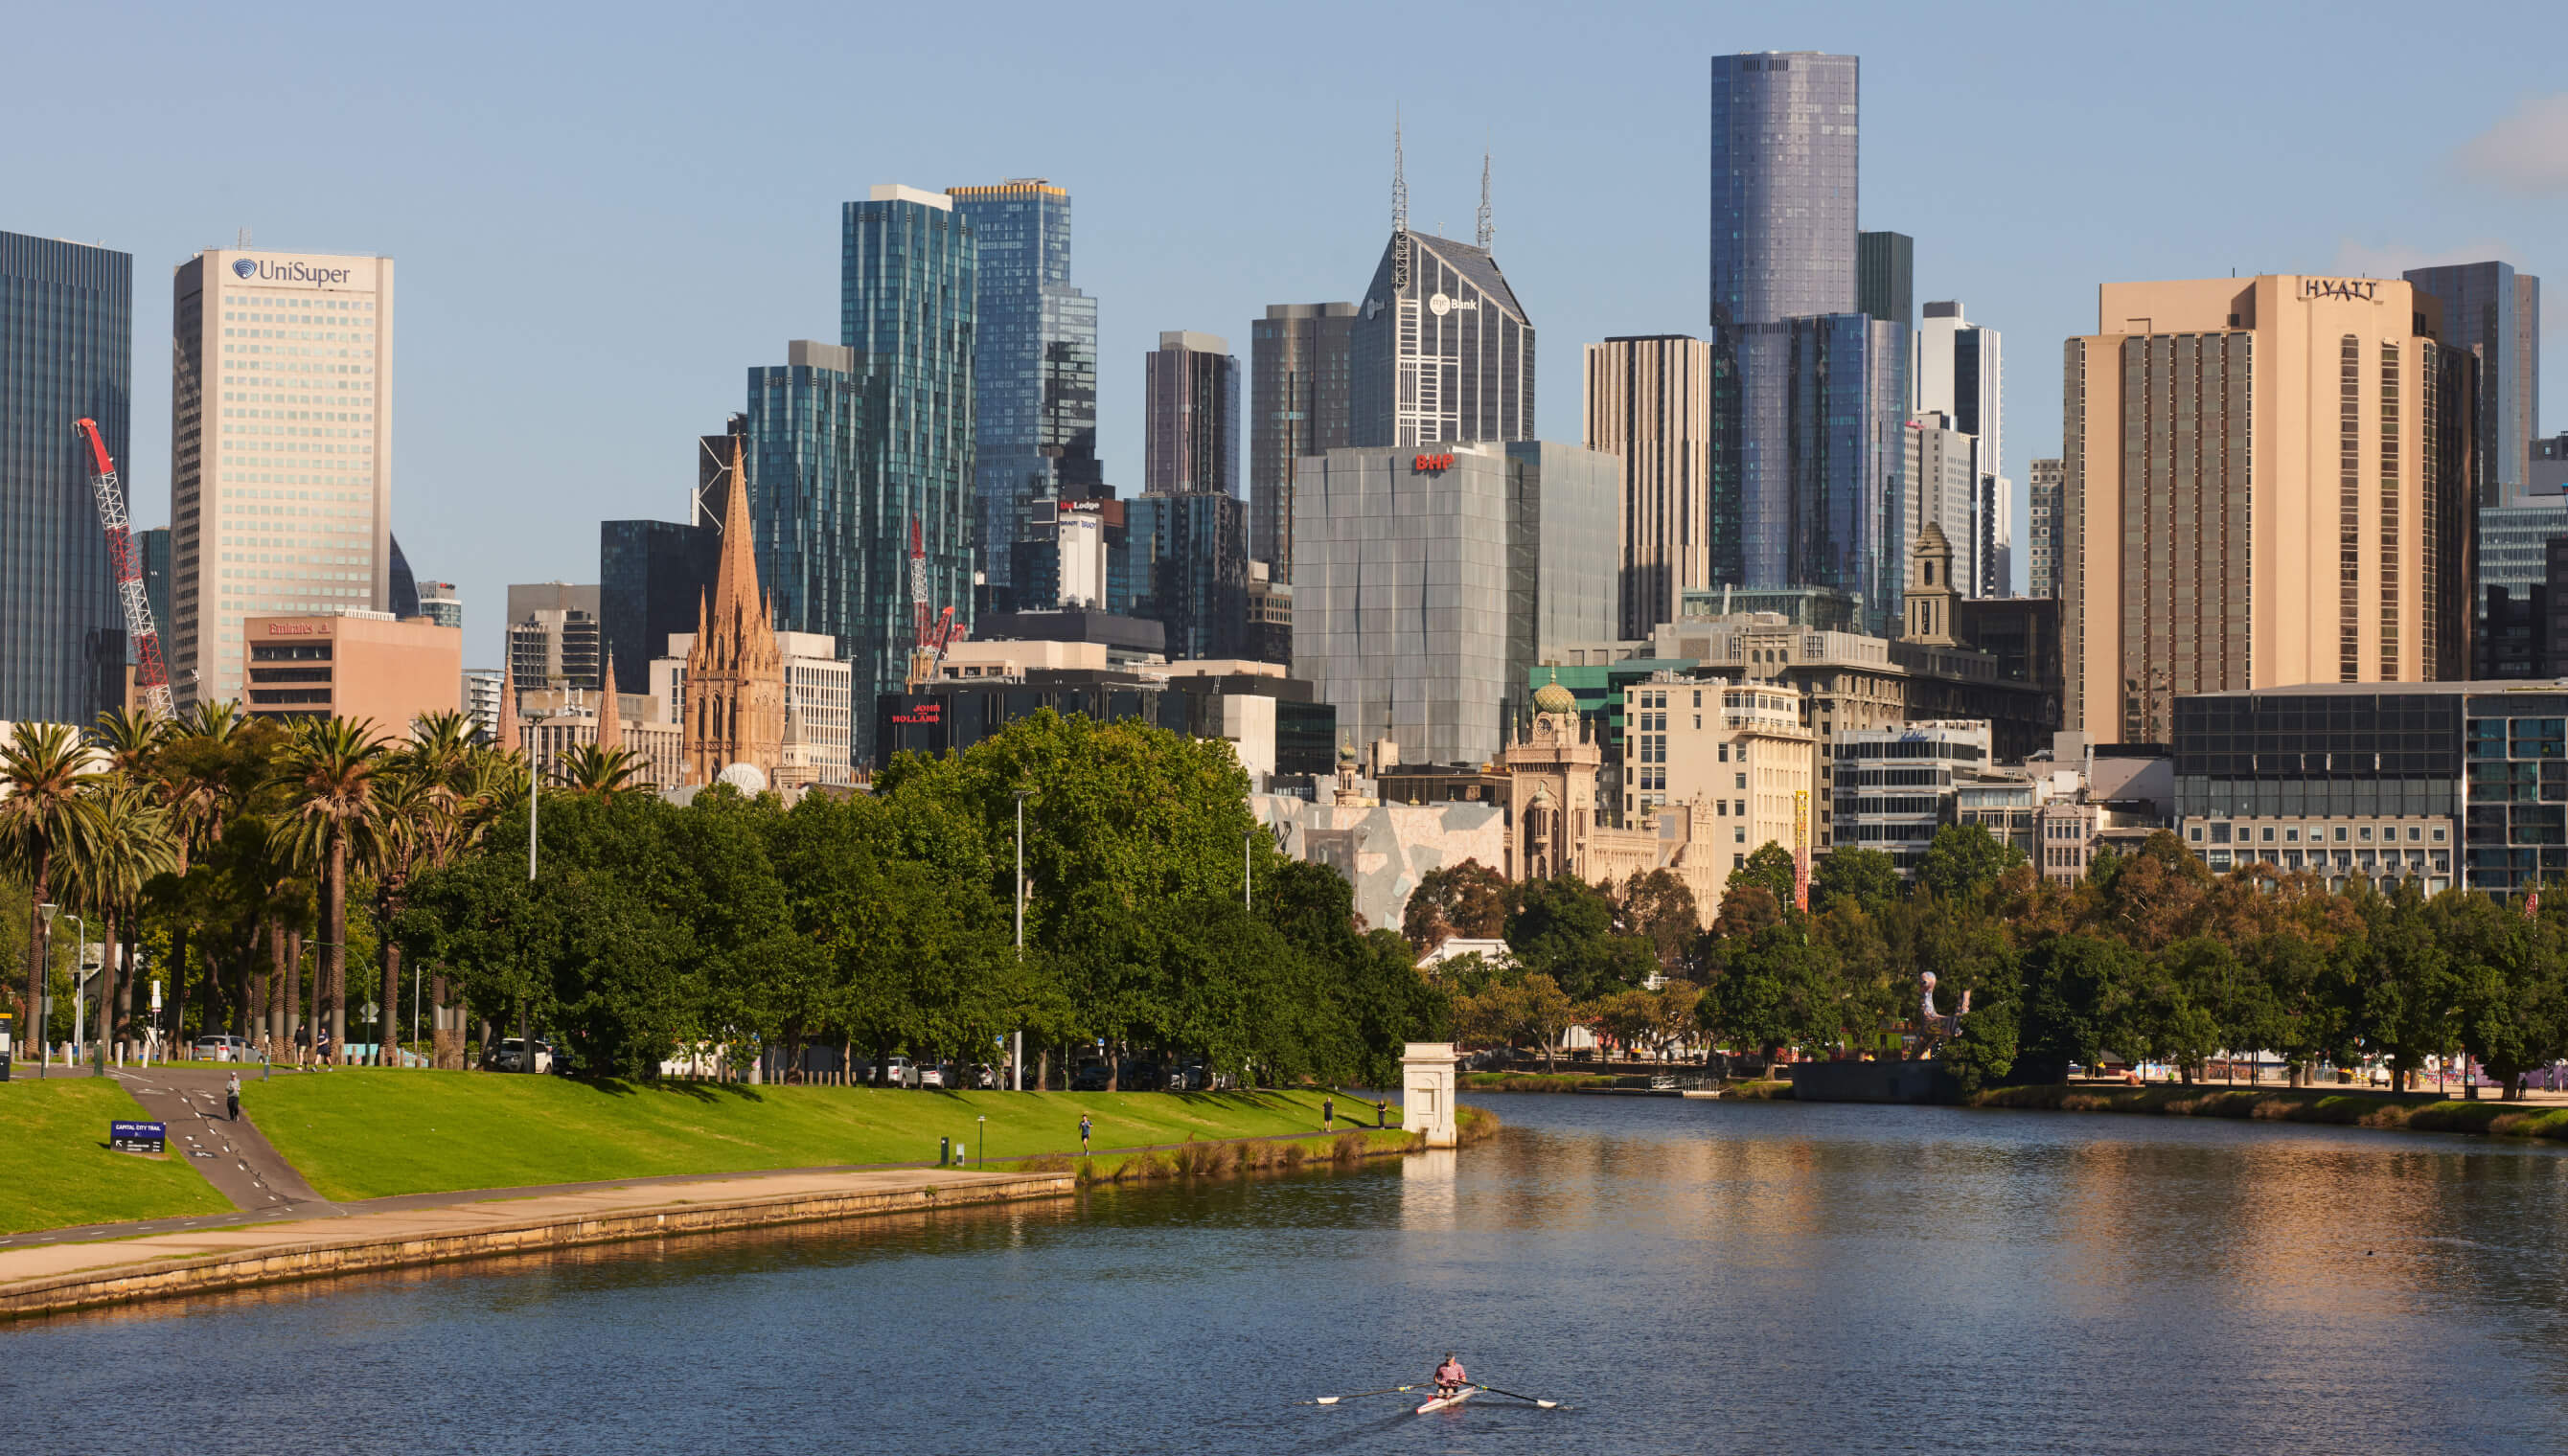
(652, 577)
(440, 603)
(1190, 443)
(908, 298)
(1301, 361)
(1959, 372)
(280, 449)
(1943, 491)
(66, 353)
(1442, 352)
(804, 447)
(1885, 276)
(1188, 559)
(1653, 404)
(1034, 362)
(154, 548)
(2333, 399)
(1822, 387)
(2041, 577)
(553, 636)
(2494, 313)
(1784, 181)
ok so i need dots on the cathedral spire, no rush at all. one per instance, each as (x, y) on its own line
(610, 712)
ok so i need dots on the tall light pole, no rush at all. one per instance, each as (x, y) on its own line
(36, 1017)
(78, 1007)
(1247, 871)
(1016, 1039)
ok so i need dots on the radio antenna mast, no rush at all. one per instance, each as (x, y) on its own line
(1485, 232)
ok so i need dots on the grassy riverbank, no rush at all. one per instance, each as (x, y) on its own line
(1255, 1155)
(56, 1168)
(1533, 1081)
(375, 1133)
(2410, 1112)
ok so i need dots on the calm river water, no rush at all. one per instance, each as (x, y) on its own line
(1686, 1276)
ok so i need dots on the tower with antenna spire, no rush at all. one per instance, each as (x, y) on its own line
(1441, 353)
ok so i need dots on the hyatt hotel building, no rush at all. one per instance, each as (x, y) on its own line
(2266, 482)
(280, 446)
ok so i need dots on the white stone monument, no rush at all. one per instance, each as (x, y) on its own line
(1426, 1091)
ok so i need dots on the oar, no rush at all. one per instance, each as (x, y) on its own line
(1334, 1399)
(1545, 1404)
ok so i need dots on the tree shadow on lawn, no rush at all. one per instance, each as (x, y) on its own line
(694, 1092)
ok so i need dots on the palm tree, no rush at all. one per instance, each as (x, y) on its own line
(129, 735)
(407, 811)
(587, 768)
(198, 787)
(129, 843)
(329, 777)
(45, 817)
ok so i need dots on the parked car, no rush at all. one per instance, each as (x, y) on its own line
(1142, 1076)
(928, 1075)
(895, 1072)
(982, 1075)
(1194, 1076)
(511, 1055)
(222, 1049)
(1092, 1076)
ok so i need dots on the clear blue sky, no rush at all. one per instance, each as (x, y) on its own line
(604, 214)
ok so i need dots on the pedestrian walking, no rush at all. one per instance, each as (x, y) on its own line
(231, 1095)
(1328, 1114)
(1380, 1113)
(1084, 1129)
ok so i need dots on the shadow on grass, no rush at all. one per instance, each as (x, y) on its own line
(694, 1092)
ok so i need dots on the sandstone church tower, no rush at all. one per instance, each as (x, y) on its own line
(734, 688)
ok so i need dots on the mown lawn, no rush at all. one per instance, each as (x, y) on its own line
(56, 1168)
(362, 1133)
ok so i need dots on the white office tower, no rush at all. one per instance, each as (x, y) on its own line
(280, 449)
(1958, 374)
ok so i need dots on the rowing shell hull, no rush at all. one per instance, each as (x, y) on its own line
(1447, 1402)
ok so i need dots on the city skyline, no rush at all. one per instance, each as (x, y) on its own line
(473, 219)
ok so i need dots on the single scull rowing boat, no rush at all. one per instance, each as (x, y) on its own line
(1443, 1402)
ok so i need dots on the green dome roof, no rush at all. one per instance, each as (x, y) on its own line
(1554, 697)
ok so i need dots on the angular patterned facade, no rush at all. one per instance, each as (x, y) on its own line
(1651, 404)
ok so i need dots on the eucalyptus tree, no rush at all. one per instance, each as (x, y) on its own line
(47, 816)
(327, 774)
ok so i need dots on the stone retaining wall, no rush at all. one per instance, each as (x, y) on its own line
(322, 1258)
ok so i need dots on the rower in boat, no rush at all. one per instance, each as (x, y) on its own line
(1450, 1376)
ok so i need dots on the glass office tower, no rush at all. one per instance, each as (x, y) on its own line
(1783, 186)
(1188, 555)
(907, 305)
(806, 445)
(1300, 358)
(66, 351)
(1885, 277)
(2494, 313)
(652, 577)
(1191, 395)
(1034, 362)
(1442, 352)
(1823, 458)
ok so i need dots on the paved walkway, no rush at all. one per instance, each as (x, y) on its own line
(22, 1263)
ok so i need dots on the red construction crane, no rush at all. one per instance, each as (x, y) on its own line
(151, 676)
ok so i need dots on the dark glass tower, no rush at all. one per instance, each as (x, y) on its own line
(805, 451)
(1885, 276)
(2494, 312)
(1191, 442)
(1783, 188)
(1300, 360)
(1033, 359)
(1188, 556)
(651, 578)
(906, 304)
(66, 352)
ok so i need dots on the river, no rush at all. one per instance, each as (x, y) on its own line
(1684, 1275)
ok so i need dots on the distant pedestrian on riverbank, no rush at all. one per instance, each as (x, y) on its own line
(232, 1094)
(1082, 1134)
(1380, 1113)
(1328, 1114)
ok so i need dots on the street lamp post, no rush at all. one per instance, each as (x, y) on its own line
(1016, 1039)
(36, 1018)
(80, 1002)
(981, 1158)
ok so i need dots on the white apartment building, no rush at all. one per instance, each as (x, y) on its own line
(280, 449)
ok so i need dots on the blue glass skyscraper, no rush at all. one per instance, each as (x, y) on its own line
(804, 452)
(1821, 387)
(1034, 362)
(2494, 313)
(66, 351)
(907, 306)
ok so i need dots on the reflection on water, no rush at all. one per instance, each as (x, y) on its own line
(1689, 1276)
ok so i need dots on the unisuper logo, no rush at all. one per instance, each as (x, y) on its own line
(266, 271)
